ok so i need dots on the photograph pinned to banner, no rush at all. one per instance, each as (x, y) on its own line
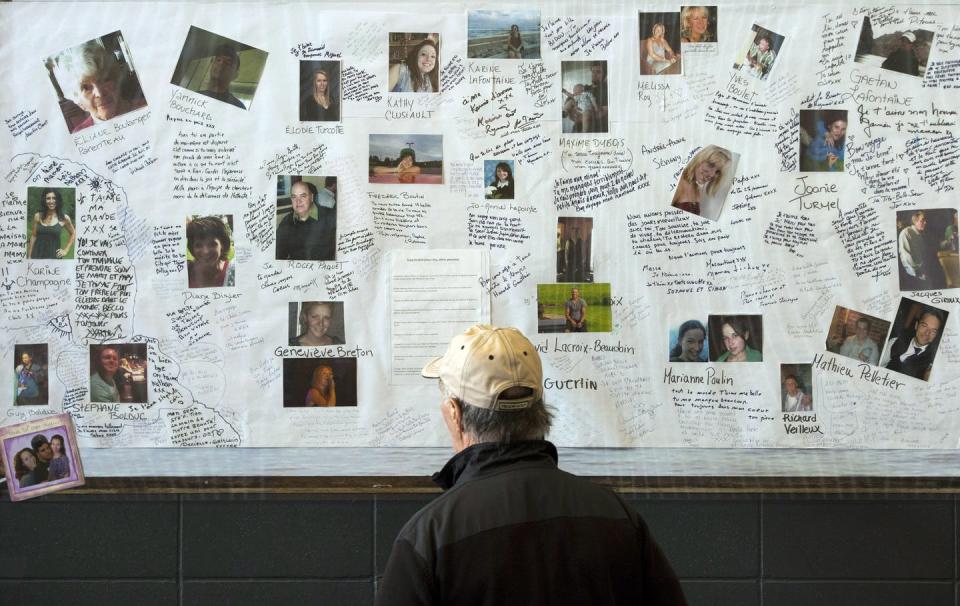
(41, 457)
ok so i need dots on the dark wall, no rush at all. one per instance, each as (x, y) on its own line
(739, 550)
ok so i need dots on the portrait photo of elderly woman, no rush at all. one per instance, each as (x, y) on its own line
(95, 81)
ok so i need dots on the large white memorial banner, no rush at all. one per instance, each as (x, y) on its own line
(721, 226)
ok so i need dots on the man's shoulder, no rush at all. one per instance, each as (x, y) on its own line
(458, 512)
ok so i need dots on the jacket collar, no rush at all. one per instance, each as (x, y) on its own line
(488, 457)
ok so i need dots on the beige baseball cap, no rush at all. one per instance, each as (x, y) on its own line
(483, 362)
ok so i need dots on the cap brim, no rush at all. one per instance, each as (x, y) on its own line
(432, 369)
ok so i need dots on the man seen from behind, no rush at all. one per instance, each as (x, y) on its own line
(511, 528)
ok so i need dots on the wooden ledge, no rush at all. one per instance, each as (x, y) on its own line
(414, 485)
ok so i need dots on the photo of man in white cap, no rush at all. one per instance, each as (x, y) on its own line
(511, 528)
(903, 59)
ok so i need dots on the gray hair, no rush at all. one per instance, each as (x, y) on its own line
(487, 425)
(89, 59)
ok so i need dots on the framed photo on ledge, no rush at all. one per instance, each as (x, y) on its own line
(41, 457)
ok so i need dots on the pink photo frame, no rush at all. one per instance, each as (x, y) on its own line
(41, 457)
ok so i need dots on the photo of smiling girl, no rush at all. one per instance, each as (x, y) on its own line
(705, 181)
(414, 63)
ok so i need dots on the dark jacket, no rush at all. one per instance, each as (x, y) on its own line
(310, 240)
(915, 365)
(514, 529)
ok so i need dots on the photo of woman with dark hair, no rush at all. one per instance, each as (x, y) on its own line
(740, 336)
(49, 226)
(689, 344)
(420, 71)
(208, 241)
(515, 43)
(25, 463)
(59, 466)
(501, 187)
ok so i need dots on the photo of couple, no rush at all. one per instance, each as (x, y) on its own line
(40, 457)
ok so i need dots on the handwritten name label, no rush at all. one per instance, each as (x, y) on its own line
(815, 197)
(402, 108)
(481, 73)
(586, 154)
(340, 351)
(709, 376)
(801, 423)
(194, 106)
(314, 129)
